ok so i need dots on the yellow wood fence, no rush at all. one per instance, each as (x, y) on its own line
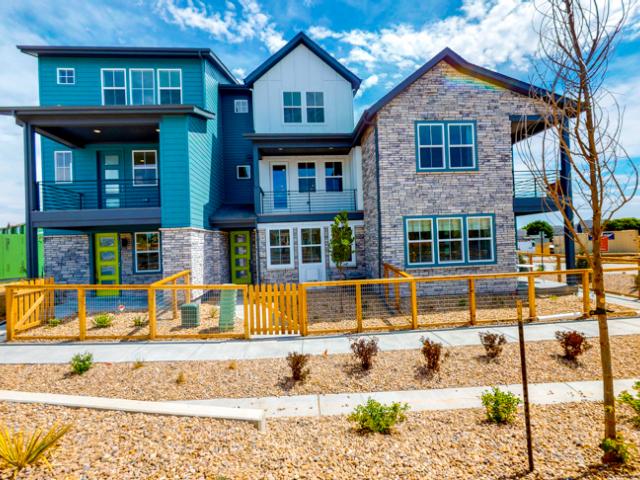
(274, 309)
(28, 305)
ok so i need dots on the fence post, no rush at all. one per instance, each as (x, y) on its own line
(9, 310)
(245, 303)
(638, 273)
(82, 313)
(559, 267)
(472, 301)
(302, 304)
(586, 300)
(174, 300)
(152, 313)
(386, 285)
(414, 305)
(359, 307)
(532, 297)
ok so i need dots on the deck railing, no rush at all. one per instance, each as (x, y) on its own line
(304, 202)
(528, 185)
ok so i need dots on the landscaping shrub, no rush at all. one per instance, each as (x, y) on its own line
(138, 321)
(297, 362)
(573, 343)
(616, 450)
(233, 365)
(379, 418)
(364, 350)
(181, 378)
(633, 401)
(492, 343)
(432, 353)
(139, 363)
(81, 362)
(53, 322)
(501, 406)
(103, 320)
(19, 450)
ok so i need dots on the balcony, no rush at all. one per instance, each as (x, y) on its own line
(530, 193)
(307, 202)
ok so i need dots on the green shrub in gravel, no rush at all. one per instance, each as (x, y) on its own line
(376, 417)
(54, 322)
(103, 320)
(633, 401)
(501, 406)
(81, 362)
(617, 450)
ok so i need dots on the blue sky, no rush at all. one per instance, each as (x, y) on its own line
(382, 41)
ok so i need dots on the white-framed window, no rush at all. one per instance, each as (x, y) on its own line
(114, 86)
(306, 177)
(169, 86)
(66, 76)
(279, 248)
(352, 261)
(461, 146)
(147, 252)
(241, 105)
(450, 240)
(480, 239)
(292, 106)
(63, 161)
(243, 172)
(419, 238)
(333, 180)
(315, 107)
(431, 146)
(145, 168)
(142, 86)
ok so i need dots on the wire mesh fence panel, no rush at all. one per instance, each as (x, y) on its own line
(386, 306)
(495, 299)
(331, 309)
(43, 313)
(119, 314)
(442, 303)
(623, 283)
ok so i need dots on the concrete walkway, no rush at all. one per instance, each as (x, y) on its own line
(279, 347)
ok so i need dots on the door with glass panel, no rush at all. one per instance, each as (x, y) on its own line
(279, 182)
(111, 188)
(311, 263)
(240, 257)
(107, 262)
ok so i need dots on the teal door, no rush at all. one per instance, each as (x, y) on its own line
(112, 185)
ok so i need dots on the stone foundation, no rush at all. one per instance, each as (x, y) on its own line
(67, 258)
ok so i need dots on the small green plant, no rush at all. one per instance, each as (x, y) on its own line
(139, 363)
(501, 407)
(181, 379)
(627, 398)
(376, 417)
(617, 450)
(139, 321)
(54, 322)
(81, 362)
(104, 320)
(19, 450)
(297, 363)
(540, 268)
(462, 302)
(573, 344)
(492, 343)
(365, 350)
(553, 298)
(214, 313)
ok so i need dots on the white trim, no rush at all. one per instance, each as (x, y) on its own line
(58, 75)
(238, 101)
(491, 238)
(322, 264)
(290, 246)
(317, 223)
(442, 145)
(160, 88)
(135, 252)
(248, 167)
(472, 144)
(461, 240)
(306, 107)
(153, 87)
(407, 242)
(55, 166)
(144, 167)
(102, 70)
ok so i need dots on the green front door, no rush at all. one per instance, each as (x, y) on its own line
(107, 262)
(241, 257)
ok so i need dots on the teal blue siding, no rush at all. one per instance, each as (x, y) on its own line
(174, 171)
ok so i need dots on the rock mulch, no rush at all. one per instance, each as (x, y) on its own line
(622, 283)
(394, 370)
(429, 445)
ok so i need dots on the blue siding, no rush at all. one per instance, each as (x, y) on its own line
(174, 171)
(237, 149)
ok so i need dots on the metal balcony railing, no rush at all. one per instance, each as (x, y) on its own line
(529, 185)
(83, 195)
(303, 202)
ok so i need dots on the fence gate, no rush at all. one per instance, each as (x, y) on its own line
(28, 305)
(274, 309)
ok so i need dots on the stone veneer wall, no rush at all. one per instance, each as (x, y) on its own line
(67, 258)
(370, 198)
(443, 93)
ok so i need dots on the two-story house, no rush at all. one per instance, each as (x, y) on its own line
(157, 160)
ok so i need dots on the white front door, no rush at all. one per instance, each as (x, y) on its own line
(311, 254)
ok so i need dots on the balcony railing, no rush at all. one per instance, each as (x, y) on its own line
(528, 185)
(304, 202)
(84, 195)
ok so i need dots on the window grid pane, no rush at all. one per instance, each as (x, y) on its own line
(280, 247)
(66, 76)
(114, 88)
(420, 241)
(169, 87)
(142, 87)
(333, 176)
(306, 177)
(450, 247)
(147, 252)
(431, 146)
(145, 168)
(292, 103)
(480, 235)
(461, 146)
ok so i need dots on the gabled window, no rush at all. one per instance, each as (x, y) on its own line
(315, 107)
(445, 146)
(333, 176)
(114, 86)
(142, 86)
(306, 177)
(241, 105)
(169, 86)
(279, 253)
(63, 161)
(66, 76)
(292, 104)
(145, 168)
(147, 252)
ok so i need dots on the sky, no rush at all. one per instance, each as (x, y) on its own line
(382, 41)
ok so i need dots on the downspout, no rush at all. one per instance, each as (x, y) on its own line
(375, 132)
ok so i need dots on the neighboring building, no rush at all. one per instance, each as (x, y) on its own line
(158, 160)
(13, 256)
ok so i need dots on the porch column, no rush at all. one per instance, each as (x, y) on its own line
(30, 200)
(565, 185)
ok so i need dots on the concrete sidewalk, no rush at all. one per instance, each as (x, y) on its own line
(279, 347)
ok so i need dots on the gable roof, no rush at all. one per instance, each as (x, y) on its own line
(302, 39)
(128, 52)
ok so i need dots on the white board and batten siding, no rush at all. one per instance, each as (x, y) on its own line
(302, 71)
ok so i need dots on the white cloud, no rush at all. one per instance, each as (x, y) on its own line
(239, 72)
(368, 83)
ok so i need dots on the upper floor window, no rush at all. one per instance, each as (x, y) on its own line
(114, 86)
(306, 177)
(292, 103)
(315, 107)
(243, 172)
(145, 168)
(63, 166)
(333, 176)
(170, 86)
(241, 105)
(66, 76)
(445, 146)
(142, 86)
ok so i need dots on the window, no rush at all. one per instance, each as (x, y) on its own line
(419, 234)
(66, 76)
(114, 86)
(315, 107)
(63, 166)
(306, 177)
(292, 104)
(311, 245)
(333, 176)
(445, 146)
(145, 168)
(279, 251)
(170, 86)
(480, 239)
(243, 172)
(450, 248)
(142, 86)
(241, 106)
(147, 252)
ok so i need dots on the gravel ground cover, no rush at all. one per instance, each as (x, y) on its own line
(394, 370)
(429, 445)
(623, 282)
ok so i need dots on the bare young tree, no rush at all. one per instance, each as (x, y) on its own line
(588, 176)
